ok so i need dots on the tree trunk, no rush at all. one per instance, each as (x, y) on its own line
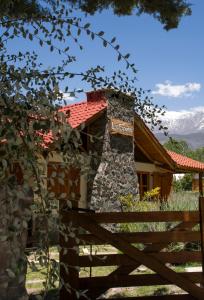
(14, 214)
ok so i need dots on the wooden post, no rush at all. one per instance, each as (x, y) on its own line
(69, 259)
(201, 209)
(70, 250)
(201, 184)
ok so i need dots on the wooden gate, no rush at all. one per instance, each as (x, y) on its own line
(156, 256)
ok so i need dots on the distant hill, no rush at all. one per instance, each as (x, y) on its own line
(194, 140)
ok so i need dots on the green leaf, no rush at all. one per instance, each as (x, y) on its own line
(105, 43)
(30, 36)
(101, 33)
(87, 25)
(127, 56)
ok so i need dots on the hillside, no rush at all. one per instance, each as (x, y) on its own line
(195, 140)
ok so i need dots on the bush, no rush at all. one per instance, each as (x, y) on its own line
(181, 201)
(183, 184)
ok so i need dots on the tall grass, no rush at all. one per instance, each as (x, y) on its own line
(181, 201)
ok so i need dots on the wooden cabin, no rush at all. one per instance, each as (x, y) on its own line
(148, 164)
(154, 165)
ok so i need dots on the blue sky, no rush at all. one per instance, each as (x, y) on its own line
(171, 63)
(160, 56)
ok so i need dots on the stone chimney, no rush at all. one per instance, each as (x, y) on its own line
(96, 96)
(115, 174)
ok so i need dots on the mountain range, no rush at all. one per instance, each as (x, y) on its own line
(185, 125)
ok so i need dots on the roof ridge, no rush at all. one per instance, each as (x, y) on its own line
(91, 103)
(72, 105)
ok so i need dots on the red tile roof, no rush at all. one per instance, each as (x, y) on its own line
(186, 163)
(82, 112)
(78, 113)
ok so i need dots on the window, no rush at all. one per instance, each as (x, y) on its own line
(143, 180)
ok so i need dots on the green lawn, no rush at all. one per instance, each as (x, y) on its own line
(35, 279)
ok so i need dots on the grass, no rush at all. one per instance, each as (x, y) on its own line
(185, 200)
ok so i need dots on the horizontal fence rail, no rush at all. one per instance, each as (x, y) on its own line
(138, 217)
(144, 237)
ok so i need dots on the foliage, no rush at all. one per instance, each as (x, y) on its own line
(15, 8)
(178, 146)
(182, 147)
(183, 184)
(130, 204)
(198, 154)
(167, 12)
(181, 201)
(153, 194)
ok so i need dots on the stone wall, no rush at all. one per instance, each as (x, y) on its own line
(115, 174)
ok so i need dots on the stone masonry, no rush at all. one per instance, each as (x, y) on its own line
(114, 174)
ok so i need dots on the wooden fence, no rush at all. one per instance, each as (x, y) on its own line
(156, 256)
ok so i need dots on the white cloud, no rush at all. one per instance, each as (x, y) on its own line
(66, 97)
(173, 115)
(168, 89)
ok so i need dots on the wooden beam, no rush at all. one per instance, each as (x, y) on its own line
(154, 142)
(145, 237)
(143, 151)
(201, 210)
(201, 184)
(137, 217)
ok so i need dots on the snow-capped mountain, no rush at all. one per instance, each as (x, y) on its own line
(185, 125)
(185, 122)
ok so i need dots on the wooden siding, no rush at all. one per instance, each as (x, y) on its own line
(195, 184)
(164, 181)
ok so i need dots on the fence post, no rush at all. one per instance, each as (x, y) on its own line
(69, 273)
(201, 211)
